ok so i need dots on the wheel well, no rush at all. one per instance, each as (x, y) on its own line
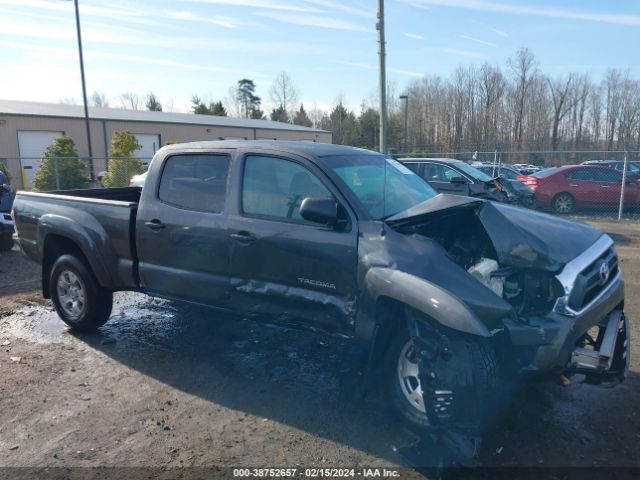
(563, 193)
(390, 315)
(54, 247)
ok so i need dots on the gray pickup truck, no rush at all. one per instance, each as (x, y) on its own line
(446, 297)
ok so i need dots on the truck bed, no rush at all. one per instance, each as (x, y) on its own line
(101, 222)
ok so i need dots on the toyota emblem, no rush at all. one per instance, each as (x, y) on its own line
(604, 273)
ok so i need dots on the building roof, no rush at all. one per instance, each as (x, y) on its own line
(40, 109)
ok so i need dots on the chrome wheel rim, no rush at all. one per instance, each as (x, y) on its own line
(408, 377)
(564, 204)
(71, 294)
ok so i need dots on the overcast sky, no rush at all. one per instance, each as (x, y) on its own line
(177, 48)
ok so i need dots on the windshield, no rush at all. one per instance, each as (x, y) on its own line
(382, 185)
(472, 171)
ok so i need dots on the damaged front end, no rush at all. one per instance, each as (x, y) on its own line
(555, 288)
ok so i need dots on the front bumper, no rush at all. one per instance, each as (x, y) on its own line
(550, 341)
(6, 224)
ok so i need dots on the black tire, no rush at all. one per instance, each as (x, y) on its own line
(6, 243)
(482, 370)
(563, 203)
(84, 305)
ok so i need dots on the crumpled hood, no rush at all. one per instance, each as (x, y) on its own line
(522, 238)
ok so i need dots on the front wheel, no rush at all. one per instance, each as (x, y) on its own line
(77, 297)
(467, 383)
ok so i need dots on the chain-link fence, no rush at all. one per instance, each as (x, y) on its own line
(66, 173)
(582, 184)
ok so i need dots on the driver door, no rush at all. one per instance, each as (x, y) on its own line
(445, 179)
(285, 268)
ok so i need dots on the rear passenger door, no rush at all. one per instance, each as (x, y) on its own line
(181, 237)
(285, 268)
(581, 184)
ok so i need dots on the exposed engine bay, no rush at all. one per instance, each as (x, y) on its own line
(461, 233)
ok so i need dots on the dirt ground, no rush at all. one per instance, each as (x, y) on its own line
(166, 385)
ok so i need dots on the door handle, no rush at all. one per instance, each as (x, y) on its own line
(155, 225)
(604, 186)
(243, 238)
(574, 186)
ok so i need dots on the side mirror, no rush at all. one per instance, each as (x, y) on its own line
(5, 188)
(322, 210)
(458, 180)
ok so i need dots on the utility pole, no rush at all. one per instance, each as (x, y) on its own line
(84, 91)
(406, 122)
(383, 78)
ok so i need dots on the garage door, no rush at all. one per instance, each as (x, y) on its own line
(31, 145)
(150, 144)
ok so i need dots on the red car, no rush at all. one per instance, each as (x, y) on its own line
(567, 188)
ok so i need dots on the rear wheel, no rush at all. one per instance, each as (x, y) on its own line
(78, 298)
(6, 243)
(563, 203)
(466, 398)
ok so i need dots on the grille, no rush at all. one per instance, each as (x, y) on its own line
(589, 284)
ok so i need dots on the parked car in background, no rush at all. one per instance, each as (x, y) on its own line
(510, 174)
(6, 222)
(565, 189)
(632, 167)
(459, 178)
(525, 168)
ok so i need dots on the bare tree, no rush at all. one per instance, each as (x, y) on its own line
(283, 93)
(131, 101)
(563, 102)
(612, 84)
(523, 66)
(99, 99)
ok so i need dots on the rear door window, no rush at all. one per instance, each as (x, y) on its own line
(195, 182)
(581, 174)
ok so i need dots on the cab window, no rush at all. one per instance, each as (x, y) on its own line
(275, 187)
(195, 182)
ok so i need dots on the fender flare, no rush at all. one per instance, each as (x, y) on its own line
(90, 237)
(423, 296)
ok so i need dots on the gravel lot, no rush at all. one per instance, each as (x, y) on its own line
(173, 386)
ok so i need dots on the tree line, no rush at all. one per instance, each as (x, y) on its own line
(514, 107)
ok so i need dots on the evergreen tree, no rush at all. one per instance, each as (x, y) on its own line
(60, 160)
(4, 169)
(123, 164)
(302, 118)
(246, 97)
(152, 103)
(279, 115)
(201, 108)
(218, 109)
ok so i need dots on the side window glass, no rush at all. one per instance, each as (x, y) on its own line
(432, 172)
(414, 167)
(608, 176)
(450, 173)
(195, 182)
(509, 174)
(579, 175)
(274, 187)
